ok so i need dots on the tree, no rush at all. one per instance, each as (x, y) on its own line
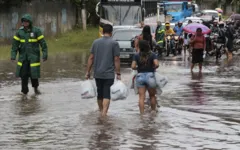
(91, 17)
(236, 3)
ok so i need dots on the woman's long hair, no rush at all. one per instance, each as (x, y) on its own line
(145, 51)
(146, 32)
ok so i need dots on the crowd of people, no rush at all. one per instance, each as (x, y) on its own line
(225, 31)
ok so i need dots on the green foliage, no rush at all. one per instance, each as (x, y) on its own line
(78, 3)
(93, 19)
(74, 40)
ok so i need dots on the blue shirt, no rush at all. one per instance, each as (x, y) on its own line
(145, 67)
(178, 30)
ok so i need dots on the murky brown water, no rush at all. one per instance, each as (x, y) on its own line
(199, 111)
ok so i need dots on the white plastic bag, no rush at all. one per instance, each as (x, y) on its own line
(158, 91)
(119, 90)
(88, 89)
(204, 54)
(161, 80)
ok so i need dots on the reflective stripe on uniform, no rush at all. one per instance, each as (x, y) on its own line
(29, 40)
(160, 42)
(161, 31)
(35, 64)
(16, 38)
(40, 37)
(19, 64)
(32, 40)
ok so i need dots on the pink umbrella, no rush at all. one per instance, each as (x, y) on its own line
(192, 28)
(219, 10)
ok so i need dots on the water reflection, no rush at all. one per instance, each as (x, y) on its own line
(27, 124)
(62, 65)
(197, 87)
(105, 136)
(27, 106)
(146, 134)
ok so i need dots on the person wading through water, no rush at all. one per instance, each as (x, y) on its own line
(104, 57)
(145, 62)
(146, 35)
(198, 44)
(26, 42)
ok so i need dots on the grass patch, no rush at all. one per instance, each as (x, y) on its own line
(225, 17)
(5, 52)
(72, 41)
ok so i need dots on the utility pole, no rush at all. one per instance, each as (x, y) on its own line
(84, 17)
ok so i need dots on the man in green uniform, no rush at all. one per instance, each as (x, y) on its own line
(159, 36)
(26, 42)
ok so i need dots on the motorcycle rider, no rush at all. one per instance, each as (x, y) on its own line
(159, 36)
(214, 28)
(179, 29)
(179, 32)
(221, 34)
(221, 38)
(230, 35)
(169, 31)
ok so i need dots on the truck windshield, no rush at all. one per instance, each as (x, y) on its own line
(121, 15)
(173, 7)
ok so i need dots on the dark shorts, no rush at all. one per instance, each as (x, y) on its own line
(103, 88)
(197, 56)
(230, 45)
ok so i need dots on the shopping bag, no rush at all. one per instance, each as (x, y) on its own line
(158, 91)
(88, 89)
(119, 90)
(161, 80)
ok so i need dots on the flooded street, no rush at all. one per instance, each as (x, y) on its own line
(198, 111)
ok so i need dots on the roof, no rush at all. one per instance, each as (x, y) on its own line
(195, 18)
(173, 2)
(124, 26)
(208, 10)
(132, 29)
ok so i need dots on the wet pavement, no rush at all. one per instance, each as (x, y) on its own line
(198, 111)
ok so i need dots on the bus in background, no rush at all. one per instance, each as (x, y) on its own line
(176, 10)
(119, 13)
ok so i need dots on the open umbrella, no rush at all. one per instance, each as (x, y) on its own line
(219, 10)
(192, 28)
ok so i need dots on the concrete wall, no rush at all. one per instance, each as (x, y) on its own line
(52, 17)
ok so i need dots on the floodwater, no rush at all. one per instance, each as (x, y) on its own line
(198, 111)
